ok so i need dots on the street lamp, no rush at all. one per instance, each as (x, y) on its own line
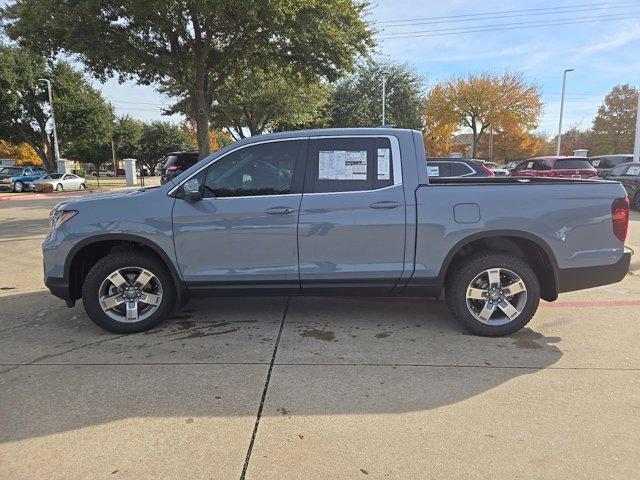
(384, 96)
(564, 81)
(56, 151)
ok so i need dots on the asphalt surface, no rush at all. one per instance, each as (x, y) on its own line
(306, 388)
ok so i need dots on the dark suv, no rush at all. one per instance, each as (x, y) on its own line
(175, 163)
(602, 163)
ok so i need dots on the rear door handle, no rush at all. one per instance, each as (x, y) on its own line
(279, 210)
(384, 204)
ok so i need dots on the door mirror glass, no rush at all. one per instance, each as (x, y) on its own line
(191, 190)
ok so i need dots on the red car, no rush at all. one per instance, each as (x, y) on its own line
(561, 167)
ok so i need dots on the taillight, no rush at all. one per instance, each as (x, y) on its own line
(488, 171)
(172, 168)
(620, 217)
(552, 173)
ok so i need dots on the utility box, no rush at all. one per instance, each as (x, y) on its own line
(130, 172)
(62, 166)
(580, 152)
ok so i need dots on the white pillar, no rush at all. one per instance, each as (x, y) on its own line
(130, 172)
(62, 166)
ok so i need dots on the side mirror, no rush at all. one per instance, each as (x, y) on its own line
(191, 190)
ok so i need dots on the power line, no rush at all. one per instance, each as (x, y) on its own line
(498, 16)
(505, 12)
(482, 28)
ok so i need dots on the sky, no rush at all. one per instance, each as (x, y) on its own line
(599, 39)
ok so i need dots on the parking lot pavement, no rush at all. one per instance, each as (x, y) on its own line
(340, 388)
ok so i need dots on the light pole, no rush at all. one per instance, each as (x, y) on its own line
(564, 81)
(56, 151)
(636, 142)
(384, 96)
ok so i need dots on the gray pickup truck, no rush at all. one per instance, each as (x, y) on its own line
(336, 212)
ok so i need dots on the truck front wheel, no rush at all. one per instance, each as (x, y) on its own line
(493, 294)
(129, 291)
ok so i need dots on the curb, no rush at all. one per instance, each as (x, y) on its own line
(17, 197)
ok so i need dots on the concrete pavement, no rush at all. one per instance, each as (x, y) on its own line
(357, 388)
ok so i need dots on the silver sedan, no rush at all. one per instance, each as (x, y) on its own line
(62, 181)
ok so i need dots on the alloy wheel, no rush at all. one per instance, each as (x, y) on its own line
(496, 296)
(130, 294)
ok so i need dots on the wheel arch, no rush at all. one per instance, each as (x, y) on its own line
(84, 254)
(528, 246)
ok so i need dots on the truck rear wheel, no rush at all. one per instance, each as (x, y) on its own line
(127, 292)
(493, 294)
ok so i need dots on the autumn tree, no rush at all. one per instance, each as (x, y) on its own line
(511, 143)
(479, 102)
(614, 125)
(80, 110)
(357, 99)
(194, 46)
(22, 153)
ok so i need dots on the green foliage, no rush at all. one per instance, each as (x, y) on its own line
(82, 114)
(127, 134)
(159, 138)
(357, 99)
(194, 47)
(614, 125)
(264, 100)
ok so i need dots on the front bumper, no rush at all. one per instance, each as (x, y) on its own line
(59, 287)
(571, 279)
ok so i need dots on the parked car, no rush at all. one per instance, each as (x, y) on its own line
(337, 211)
(494, 167)
(513, 164)
(120, 172)
(454, 167)
(560, 167)
(61, 181)
(628, 174)
(174, 163)
(19, 179)
(103, 173)
(603, 163)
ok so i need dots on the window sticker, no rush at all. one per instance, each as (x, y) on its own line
(595, 163)
(530, 165)
(384, 167)
(433, 171)
(633, 170)
(342, 165)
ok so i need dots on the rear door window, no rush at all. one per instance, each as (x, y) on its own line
(572, 164)
(619, 170)
(349, 164)
(541, 165)
(461, 169)
(439, 169)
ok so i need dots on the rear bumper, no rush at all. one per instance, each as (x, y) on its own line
(571, 279)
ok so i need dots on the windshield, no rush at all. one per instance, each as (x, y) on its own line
(11, 170)
(54, 176)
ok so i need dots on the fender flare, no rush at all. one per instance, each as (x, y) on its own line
(181, 289)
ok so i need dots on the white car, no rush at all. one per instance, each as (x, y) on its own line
(62, 181)
(494, 167)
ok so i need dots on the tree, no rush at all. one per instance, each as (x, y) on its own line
(614, 125)
(80, 110)
(158, 139)
(217, 138)
(481, 101)
(357, 99)
(254, 101)
(127, 134)
(22, 153)
(194, 46)
(572, 139)
(511, 143)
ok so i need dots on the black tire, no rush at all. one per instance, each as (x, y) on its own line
(59, 187)
(131, 258)
(83, 186)
(464, 273)
(18, 187)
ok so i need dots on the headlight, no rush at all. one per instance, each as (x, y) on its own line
(6, 180)
(58, 217)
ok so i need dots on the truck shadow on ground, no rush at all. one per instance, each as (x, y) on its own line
(59, 372)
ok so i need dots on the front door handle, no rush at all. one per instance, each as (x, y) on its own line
(279, 211)
(384, 204)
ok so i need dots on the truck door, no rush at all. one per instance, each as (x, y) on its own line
(351, 229)
(243, 232)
